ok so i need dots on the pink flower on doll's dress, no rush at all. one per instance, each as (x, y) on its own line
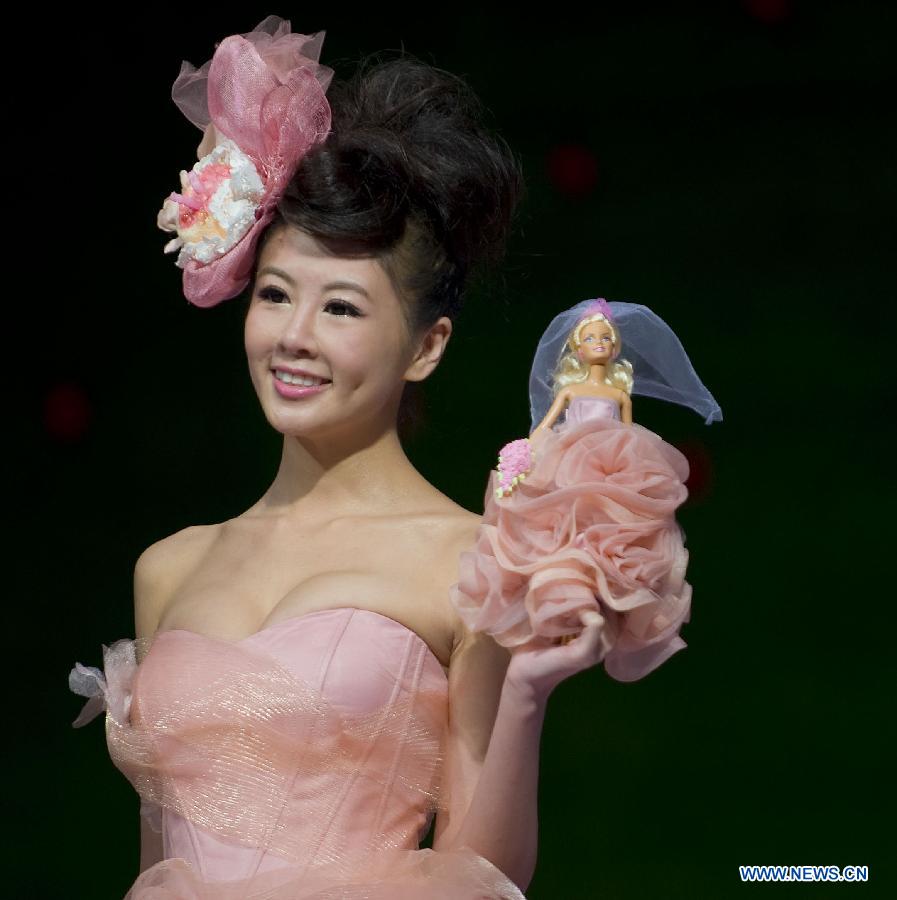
(515, 460)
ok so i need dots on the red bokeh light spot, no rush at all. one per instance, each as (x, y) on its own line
(700, 464)
(572, 169)
(67, 412)
(768, 11)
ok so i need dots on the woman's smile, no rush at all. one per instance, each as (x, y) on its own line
(297, 391)
(298, 378)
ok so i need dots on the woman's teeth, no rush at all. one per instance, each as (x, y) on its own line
(305, 380)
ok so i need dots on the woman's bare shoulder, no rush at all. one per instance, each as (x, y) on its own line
(456, 524)
(466, 525)
(459, 535)
(177, 550)
(162, 567)
(482, 654)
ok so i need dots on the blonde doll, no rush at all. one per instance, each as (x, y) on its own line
(581, 514)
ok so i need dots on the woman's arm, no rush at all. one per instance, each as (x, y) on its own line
(150, 845)
(492, 762)
(151, 590)
(493, 792)
(157, 573)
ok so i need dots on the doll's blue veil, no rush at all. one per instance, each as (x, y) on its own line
(660, 366)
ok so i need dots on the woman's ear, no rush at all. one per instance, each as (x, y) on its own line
(432, 346)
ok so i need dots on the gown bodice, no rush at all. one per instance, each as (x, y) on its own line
(315, 740)
(582, 408)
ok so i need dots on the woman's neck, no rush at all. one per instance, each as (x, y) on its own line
(317, 479)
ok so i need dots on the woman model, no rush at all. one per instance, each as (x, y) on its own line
(301, 697)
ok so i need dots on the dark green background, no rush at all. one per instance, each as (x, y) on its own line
(746, 177)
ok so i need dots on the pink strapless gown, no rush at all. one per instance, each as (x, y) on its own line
(591, 526)
(301, 762)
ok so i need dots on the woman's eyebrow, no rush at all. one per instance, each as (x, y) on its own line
(346, 285)
(334, 285)
(273, 270)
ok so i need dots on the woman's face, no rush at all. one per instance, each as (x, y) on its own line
(596, 342)
(337, 319)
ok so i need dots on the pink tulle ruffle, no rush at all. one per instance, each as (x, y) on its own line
(591, 527)
(387, 875)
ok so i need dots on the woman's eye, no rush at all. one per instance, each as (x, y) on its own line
(271, 293)
(275, 295)
(341, 304)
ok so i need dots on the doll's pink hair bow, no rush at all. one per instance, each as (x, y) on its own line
(599, 305)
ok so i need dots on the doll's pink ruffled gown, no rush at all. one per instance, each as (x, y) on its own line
(301, 762)
(591, 526)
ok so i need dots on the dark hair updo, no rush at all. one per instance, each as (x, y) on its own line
(408, 174)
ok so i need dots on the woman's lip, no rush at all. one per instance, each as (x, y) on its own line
(301, 372)
(297, 391)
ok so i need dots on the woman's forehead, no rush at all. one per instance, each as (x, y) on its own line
(299, 258)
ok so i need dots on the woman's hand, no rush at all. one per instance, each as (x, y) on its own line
(539, 670)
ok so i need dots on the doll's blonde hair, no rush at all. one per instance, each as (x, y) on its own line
(572, 370)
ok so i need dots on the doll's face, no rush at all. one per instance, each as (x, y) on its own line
(336, 318)
(596, 343)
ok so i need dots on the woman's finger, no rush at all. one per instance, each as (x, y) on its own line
(593, 634)
(592, 623)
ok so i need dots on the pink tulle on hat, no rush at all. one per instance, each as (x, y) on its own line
(260, 99)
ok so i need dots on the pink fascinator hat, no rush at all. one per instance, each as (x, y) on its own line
(260, 103)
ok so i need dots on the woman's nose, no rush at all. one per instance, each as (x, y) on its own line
(299, 331)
